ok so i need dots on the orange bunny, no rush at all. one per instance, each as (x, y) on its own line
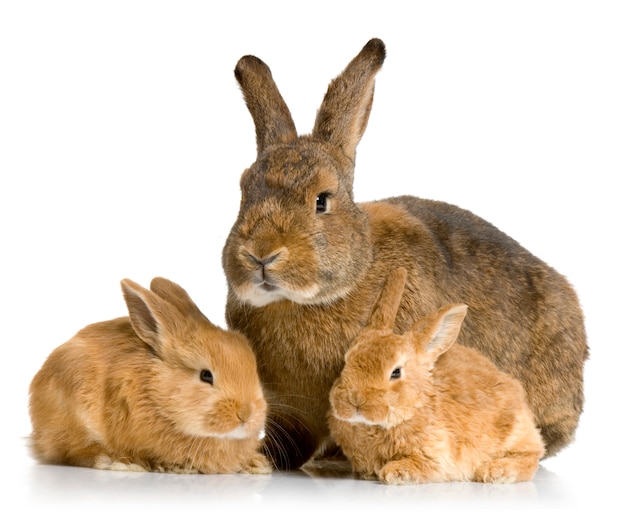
(161, 390)
(419, 407)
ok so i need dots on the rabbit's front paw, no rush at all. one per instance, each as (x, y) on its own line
(257, 465)
(399, 472)
(105, 462)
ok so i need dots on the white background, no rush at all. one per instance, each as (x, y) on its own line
(123, 134)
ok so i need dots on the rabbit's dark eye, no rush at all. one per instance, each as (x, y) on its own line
(321, 203)
(206, 376)
(396, 374)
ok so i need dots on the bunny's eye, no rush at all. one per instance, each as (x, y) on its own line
(321, 203)
(206, 376)
(396, 374)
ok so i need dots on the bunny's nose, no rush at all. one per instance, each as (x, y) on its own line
(263, 261)
(356, 400)
(244, 413)
(263, 266)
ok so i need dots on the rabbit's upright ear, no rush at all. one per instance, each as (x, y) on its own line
(345, 110)
(386, 306)
(152, 318)
(272, 119)
(440, 329)
(178, 297)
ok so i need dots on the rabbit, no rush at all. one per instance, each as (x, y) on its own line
(418, 407)
(304, 262)
(161, 390)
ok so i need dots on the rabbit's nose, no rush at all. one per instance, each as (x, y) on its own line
(263, 261)
(262, 265)
(357, 401)
(244, 413)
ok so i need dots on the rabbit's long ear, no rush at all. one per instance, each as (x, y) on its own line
(440, 329)
(272, 119)
(386, 306)
(177, 296)
(153, 318)
(345, 110)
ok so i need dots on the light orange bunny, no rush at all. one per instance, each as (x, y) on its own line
(418, 407)
(161, 390)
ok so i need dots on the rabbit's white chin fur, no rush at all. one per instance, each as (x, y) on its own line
(358, 418)
(241, 432)
(257, 296)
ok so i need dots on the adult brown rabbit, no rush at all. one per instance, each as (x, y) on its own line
(304, 264)
(164, 390)
(419, 407)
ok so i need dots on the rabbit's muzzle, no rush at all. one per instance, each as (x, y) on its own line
(265, 270)
(359, 407)
(262, 273)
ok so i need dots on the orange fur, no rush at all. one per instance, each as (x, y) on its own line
(126, 394)
(304, 263)
(448, 414)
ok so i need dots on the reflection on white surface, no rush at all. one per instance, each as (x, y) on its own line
(318, 487)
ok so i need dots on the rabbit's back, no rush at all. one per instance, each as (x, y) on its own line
(477, 401)
(69, 393)
(460, 256)
(484, 413)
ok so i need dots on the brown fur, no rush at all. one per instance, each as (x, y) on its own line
(126, 394)
(448, 414)
(302, 282)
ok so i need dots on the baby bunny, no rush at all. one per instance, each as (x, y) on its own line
(305, 262)
(418, 407)
(161, 390)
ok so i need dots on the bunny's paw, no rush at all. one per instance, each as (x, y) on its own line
(257, 465)
(106, 462)
(496, 472)
(401, 472)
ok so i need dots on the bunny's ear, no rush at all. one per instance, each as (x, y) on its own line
(441, 329)
(386, 307)
(152, 317)
(177, 296)
(272, 119)
(345, 110)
